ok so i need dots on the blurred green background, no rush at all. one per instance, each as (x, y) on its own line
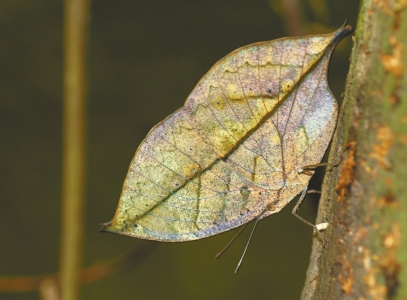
(144, 59)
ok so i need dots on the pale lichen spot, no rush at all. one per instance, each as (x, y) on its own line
(258, 107)
(233, 92)
(250, 93)
(287, 85)
(234, 127)
(393, 62)
(302, 140)
(272, 206)
(225, 143)
(318, 44)
(190, 170)
(218, 103)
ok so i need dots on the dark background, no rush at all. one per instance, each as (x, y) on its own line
(144, 59)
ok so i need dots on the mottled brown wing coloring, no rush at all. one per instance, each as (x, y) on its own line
(232, 153)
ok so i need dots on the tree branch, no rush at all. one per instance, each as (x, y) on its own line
(363, 255)
(91, 274)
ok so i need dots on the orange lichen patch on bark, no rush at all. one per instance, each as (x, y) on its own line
(378, 93)
(347, 285)
(370, 277)
(360, 235)
(347, 279)
(383, 265)
(399, 5)
(376, 226)
(389, 182)
(372, 201)
(392, 239)
(393, 99)
(388, 263)
(366, 260)
(379, 266)
(386, 6)
(347, 174)
(385, 139)
(388, 200)
(390, 269)
(376, 291)
(393, 63)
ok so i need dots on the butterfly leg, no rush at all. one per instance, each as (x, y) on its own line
(308, 168)
(318, 227)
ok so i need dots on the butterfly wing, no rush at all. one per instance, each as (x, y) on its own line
(231, 154)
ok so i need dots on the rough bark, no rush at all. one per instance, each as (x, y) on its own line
(363, 254)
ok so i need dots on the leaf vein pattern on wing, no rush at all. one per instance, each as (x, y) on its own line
(184, 198)
(208, 170)
(203, 169)
(258, 79)
(240, 142)
(296, 90)
(175, 172)
(310, 108)
(244, 93)
(251, 112)
(180, 207)
(278, 101)
(228, 159)
(231, 106)
(213, 113)
(170, 219)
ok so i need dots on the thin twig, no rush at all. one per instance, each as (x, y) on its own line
(73, 177)
(49, 289)
(291, 10)
(91, 274)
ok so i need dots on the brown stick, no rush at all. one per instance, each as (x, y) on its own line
(73, 177)
(292, 17)
(98, 271)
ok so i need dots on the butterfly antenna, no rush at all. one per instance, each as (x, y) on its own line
(245, 249)
(231, 242)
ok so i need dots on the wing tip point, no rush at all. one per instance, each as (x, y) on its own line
(343, 31)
